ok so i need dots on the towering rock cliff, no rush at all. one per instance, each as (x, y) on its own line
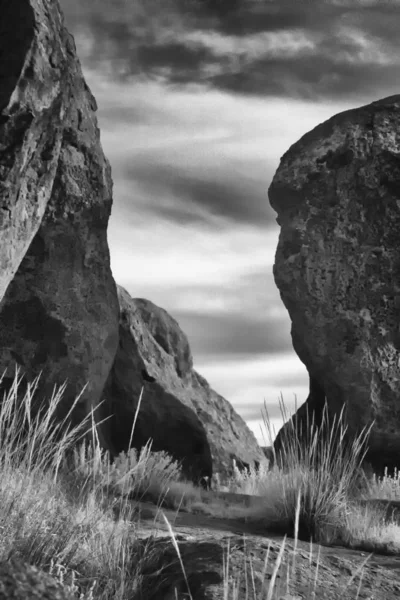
(337, 266)
(59, 307)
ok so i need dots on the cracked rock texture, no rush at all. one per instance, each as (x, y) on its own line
(337, 266)
(59, 306)
(179, 410)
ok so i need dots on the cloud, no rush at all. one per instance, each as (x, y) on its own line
(205, 257)
(196, 155)
(248, 383)
(157, 256)
(266, 16)
(291, 49)
(185, 196)
(234, 334)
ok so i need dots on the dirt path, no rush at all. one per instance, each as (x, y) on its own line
(248, 545)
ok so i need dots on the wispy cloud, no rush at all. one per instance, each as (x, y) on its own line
(301, 50)
(196, 154)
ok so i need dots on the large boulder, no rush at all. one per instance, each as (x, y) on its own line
(59, 306)
(337, 266)
(179, 411)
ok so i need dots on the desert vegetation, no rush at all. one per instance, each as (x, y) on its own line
(340, 502)
(71, 511)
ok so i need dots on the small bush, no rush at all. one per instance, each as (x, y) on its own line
(386, 487)
(137, 473)
(322, 467)
(251, 481)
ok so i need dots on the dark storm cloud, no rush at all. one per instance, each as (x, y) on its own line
(265, 17)
(177, 192)
(296, 49)
(312, 78)
(234, 334)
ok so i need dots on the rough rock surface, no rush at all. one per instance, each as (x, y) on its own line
(337, 266)
(30, 128)
(59, 313)
(21, 581)
(179, 410)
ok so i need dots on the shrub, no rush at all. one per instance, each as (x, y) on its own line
(386, 487)
(322, 466)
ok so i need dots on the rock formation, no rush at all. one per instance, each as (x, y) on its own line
(337, 266)
(179, 410)
(59, 306)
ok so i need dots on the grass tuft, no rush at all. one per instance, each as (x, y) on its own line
(57, 512)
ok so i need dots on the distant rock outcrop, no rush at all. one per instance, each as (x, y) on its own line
(337, 195)
(179, 410)
(59, 306)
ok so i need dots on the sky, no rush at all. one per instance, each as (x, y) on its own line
(197, 102)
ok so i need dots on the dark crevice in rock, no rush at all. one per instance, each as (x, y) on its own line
(17, 25)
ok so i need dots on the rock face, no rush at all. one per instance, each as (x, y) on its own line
(59, 307)
(30, 128)
(179, 410)
(337, 266)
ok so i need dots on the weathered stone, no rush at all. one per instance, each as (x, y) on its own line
(59, 314)
(31, 111)
(179, 411)
(337, 266)
(20, 581)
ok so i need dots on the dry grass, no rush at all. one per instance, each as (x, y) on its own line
(322, 469)
(385, 488)
(339, 503)
(60, 515)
